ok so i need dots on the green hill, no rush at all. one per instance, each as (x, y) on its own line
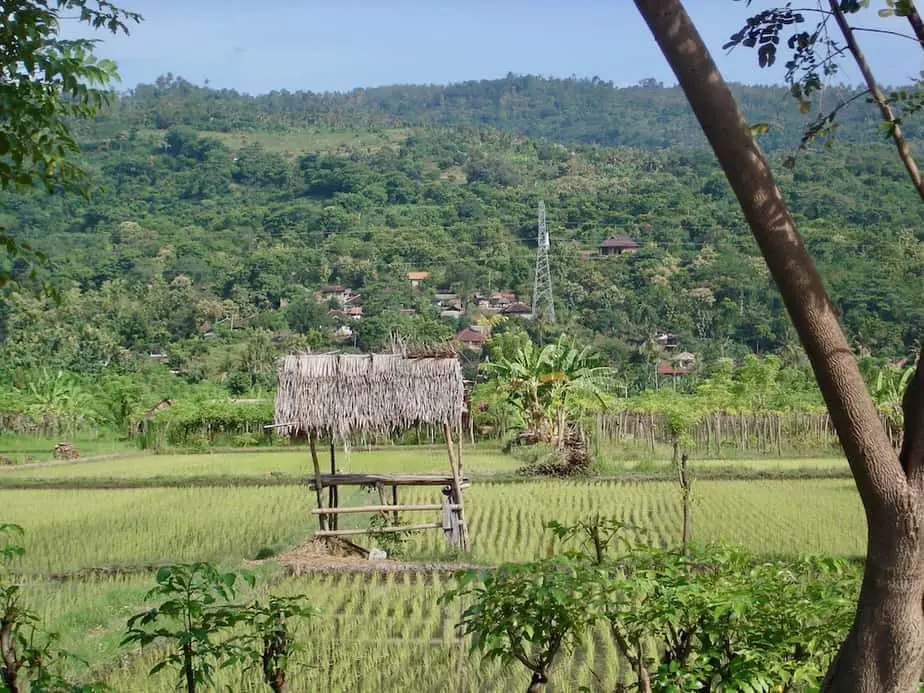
(220, 215)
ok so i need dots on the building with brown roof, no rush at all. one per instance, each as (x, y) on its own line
(617, 245)
(518, 310)
(681, 364)
(471, 338)
(417, 277)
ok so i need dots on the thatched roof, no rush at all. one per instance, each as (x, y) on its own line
(344, 394)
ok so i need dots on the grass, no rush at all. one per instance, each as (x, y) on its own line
(389, 633)
(73, 530)
(295, 462)
(384, 632)
(766, 464)
(89, 616)
(298, 141)
(773, 517)
(22, 449)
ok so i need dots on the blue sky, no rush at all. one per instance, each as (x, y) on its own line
(260, 45)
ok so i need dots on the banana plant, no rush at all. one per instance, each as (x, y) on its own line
(553, 384)
(887, 391)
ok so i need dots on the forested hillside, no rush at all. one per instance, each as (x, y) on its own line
(219, 216)
(647, 116)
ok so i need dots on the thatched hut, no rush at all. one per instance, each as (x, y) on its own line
(340, 395)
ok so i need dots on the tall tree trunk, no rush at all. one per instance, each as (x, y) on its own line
(188, 669)
(537, 682)
(10, 661)
(641, 673)
(915, 20)
(884, 650)
(686, 491)
(885, 110)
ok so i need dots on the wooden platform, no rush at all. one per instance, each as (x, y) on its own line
(387, 480)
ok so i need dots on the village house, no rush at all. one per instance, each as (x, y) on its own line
(417, 278)
(343, 332)
(471, 338)
(518, 310)
(666, 340)
(496, 302)
(444, 299)
(450, 305)
(617, 245)
(336, 294)
(681, 364)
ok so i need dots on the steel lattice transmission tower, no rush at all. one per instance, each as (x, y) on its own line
(543, 303)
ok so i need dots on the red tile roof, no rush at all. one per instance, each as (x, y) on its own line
(665, 368)
(470, 336)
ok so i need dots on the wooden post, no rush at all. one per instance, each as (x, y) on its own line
(394, 500)
(459, 451)
(382, 501)
(456, 488)
(313, 445)
(334, 492)
(447, 520)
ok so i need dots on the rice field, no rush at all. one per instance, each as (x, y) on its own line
(73, 530)
(293, 462)
(384, 632)
(88, 615)
(767, 464)
(775, 517)
(79, 529)
(388, 632)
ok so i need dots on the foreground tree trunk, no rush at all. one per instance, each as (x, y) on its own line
(884, 650)
(10, 662)
(537, 682)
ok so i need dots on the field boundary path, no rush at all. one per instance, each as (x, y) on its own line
(265, 479)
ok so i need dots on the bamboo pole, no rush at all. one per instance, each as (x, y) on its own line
(312, 444)
(779, 436)
(389, 479)
(378, 530)
(333, 491)
(380, 508)
(459, 450)
(384, 503)
(456, 488)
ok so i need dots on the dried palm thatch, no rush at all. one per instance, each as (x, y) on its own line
(346, 394)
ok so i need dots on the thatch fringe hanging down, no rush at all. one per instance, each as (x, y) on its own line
(342, 395)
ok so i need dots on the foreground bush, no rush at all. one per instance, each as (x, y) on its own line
(709, 620)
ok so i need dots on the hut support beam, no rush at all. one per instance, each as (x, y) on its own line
(380, 509)
(456, 488)
(333, 493)
(378, 530)
(313, 446)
